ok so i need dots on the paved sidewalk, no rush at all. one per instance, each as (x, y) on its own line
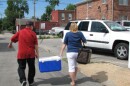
(9, 76)
(105, 72)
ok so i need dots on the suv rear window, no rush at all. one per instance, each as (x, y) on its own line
(83, 26)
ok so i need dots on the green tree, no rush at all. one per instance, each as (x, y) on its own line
(44, 17)
(48, 12)
(47, 15)
(70, 7)
(0, 25)
(6, 23)
(15, 9)
(53, 3)
(35, 18)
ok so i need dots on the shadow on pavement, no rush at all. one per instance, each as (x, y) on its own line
(55, 80)
(106, 53)
(84, 79)
(4, 47)
(2, 38)
(65, 80)
(100, 76)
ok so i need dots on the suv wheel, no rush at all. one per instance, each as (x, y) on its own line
(121, 51)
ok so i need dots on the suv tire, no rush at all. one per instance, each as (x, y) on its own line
(121, 51)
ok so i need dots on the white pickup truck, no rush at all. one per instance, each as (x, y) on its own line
(104, 35)
(57, 31)
(125, 23)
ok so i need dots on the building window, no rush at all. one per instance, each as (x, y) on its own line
(122, 17)
(62, 16)
(70, 16)
(103, 17)
(104, 1)
(90, 4)
(123, 2)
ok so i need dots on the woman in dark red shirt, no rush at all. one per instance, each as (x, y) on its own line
(27, 51)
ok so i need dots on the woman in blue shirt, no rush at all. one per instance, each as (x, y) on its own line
(73, 40)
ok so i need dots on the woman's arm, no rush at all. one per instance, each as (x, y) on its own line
(62, 49)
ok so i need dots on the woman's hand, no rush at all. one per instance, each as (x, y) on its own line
(62, 49)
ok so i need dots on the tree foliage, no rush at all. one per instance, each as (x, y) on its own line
(52, 3)
(15, 9)
(48, 12)
(70, 7)
(0, 25)
(44, 17)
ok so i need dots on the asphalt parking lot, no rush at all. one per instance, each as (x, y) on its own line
(95, 74)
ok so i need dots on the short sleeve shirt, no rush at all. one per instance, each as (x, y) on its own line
(27, 40)
(73, 41)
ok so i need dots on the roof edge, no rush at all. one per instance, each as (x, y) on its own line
(85, 1)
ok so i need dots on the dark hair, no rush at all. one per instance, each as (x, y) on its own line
(29, 23)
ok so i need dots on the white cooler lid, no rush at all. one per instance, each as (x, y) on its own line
(51, 58)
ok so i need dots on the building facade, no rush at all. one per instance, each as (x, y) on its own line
(103, 9)
(62, 16)
(44, 25)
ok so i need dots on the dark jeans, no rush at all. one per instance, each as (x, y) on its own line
(22, 67)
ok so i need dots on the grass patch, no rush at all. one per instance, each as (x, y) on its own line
(48, 36)
(65, 59)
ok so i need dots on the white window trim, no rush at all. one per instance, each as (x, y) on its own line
(124, 4)
(62, 16)
(121, 17)
(104, 1)
(69, 17)
(90, 4)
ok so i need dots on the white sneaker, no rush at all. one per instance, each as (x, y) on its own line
(24, 83)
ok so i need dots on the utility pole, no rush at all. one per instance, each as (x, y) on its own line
(87, 10)
(112, 10)
(34, 12)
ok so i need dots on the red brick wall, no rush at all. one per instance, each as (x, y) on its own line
(120, 10)
(48, 25)
(98, 10)
(56, 16)
(64, 22)
(81, 11)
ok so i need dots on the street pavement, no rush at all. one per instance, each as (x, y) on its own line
(8, 68)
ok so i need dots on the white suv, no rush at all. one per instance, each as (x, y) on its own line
(104, 35)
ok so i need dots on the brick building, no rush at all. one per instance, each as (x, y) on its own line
(43, 25)
(62, 16)
(103, 9)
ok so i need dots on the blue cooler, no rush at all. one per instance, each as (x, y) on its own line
(50, 64)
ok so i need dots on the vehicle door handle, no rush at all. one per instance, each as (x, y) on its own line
(91, 34)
